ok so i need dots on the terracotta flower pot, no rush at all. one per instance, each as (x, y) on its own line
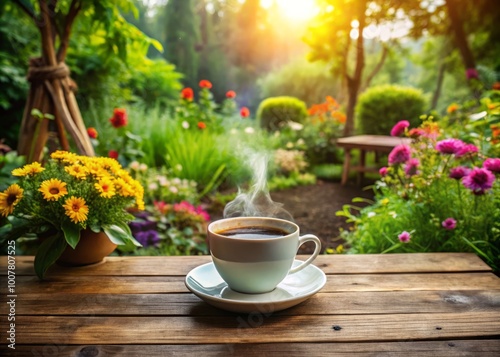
(91, 249)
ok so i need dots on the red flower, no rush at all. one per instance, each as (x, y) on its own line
(245, 112)
(202, 125)
(187, 93)
(113, 154)
(92, 132)
(496, 86)
(119, 118)
(205, 84)
(231, 94)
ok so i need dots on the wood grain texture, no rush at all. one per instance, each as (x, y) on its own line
(456, 348)
(330, 264)
(393, 302)
(436, 304)
(334, 283)
(256, 328)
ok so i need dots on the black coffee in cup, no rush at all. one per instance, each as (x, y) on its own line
(253, 232)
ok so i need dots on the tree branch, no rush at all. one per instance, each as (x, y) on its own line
(25, 8)
(378, 67)
(74, 9)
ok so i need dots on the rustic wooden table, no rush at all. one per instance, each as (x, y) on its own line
(365, 143)
(399, 305)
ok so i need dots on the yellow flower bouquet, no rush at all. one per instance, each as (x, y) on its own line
(70, 193)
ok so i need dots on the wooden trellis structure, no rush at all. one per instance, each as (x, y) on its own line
(51, 90)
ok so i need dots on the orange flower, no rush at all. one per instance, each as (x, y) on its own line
(187, 93)
(231, 94)
(205, 84)
(452, 108)
(92, 132)
(496, 86)
(244, 112)
(201, 125)
(119, 118)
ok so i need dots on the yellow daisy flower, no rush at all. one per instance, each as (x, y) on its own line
(76, 209)
(123, 188)
(30, 169)
(53, 189)
(64, 156)
(77, 171)
(9, 198)
(105, 187)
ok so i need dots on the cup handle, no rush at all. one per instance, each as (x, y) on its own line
(302, 240)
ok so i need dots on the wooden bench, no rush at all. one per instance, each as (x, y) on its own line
(365, 143)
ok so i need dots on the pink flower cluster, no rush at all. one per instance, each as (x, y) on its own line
(477, 179)
(185, 206)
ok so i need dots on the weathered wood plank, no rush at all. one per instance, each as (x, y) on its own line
(346, 303)
(336, 264)
(455, 348)
(255, 328)
(335, 283)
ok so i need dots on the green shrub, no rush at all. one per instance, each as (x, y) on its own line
(379, 108)
(273, 113)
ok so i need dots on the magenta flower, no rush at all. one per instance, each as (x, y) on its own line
(467, 149)
(458, 172)
(400, 154)
(471, 73)
(492, 164)
(400, 127)
(383, 171)
(449, 146)
(411, 167)
(449, 224)
(479, 180)
(404, 237)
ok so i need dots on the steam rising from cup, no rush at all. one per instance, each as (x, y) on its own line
(257, 201)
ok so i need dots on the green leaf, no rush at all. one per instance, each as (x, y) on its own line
(48, 252)
(120, 235)
(71, 233)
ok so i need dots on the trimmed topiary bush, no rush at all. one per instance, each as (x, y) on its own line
(379, 108)
(274, 112)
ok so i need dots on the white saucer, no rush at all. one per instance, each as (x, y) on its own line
(205, 282)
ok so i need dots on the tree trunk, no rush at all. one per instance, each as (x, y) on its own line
(439, 85)
(459, 34)
(354, 82)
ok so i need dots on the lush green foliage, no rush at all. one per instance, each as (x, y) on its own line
(276, 112)
(300, 79)
(379, 108)
(443, 193)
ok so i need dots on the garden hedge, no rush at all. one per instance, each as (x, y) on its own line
(380, 107)
(274, 112)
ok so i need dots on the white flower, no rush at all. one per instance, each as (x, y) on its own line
(249, 130)
(174, 189)
(153, 186)
(134, 165)
(185, 124)
(295, 126)
(176, 181)
(233, 131)
(162, 180)
(300, 141)
(143, 167)
(289, 145)
(371, 214)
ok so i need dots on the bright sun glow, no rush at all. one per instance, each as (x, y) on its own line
(298, 10)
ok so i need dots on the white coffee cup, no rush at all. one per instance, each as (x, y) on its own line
(256, 263)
